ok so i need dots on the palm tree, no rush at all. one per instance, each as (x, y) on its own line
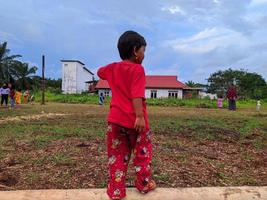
(23, 74)
(190, 84)
(6, 63)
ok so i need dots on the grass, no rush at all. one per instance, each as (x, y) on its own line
(65, 145)
(45, 140)
(32, 177)
(2, 154)
(63, 176)
(171, 144)
(57, 159)
(191, 103)
(245, 180)
(61, 159)
(68, 98)
(162, 177)
(183, 159)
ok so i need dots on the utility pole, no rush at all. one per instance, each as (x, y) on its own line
(43, 80)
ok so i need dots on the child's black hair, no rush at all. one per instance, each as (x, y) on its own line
(128, 41)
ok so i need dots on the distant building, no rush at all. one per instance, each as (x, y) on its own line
(157, 87)
(75, 77)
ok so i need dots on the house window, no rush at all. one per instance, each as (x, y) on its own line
(106, 93)
(173, 94)
(153, 94)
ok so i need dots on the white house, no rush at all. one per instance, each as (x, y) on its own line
(156, 87)
(75, 77)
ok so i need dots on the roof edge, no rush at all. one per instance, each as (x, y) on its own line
(72, 61)
(88, 70)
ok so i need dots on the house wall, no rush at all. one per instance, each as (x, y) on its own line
(82, 77)
(163, 93)
(69, 78)
(74, 78)
(105, 92)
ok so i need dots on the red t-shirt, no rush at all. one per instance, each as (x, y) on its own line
(127, 81)
(231, 93)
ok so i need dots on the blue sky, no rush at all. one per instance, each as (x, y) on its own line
(187, 38)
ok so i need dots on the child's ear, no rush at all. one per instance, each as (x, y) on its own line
(135, 51)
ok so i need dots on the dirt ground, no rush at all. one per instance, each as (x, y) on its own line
(63, 146)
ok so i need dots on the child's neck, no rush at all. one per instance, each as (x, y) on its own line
(130, 60)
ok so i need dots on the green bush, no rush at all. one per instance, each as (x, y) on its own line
(67, 98)
(55, 96)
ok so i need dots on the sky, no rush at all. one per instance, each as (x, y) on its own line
(187, 38)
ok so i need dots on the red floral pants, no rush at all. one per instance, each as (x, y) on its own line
(121, 143)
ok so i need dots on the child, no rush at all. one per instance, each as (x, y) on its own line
(128, 126)
(26, 96)
(220, 102)
(18, 97)
(258, 107)
(101, 99)
(12, 97)
(32, 99)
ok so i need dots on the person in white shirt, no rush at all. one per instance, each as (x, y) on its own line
(4, 94)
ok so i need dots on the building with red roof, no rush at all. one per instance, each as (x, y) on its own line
(156, 87)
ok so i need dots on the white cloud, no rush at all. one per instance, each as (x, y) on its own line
(208, 40)
(190, 38)
(168, 70)
(174, 10)
(258, 2)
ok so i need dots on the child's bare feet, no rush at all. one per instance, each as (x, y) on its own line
(149, 187)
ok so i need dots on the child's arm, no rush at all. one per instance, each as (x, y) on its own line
(101, 72)
(138, 94)
(139, 124)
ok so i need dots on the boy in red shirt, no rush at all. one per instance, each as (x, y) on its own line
(128, 126)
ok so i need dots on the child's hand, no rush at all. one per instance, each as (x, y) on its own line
(140, 124)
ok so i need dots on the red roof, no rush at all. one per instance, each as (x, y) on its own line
(163, 82)
(102, 84)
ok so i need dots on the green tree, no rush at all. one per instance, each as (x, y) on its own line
(196, 85)
(6, 63)
(249, 85)
(50, 84)
(252, 85)
(190, 83)
(23, 74)
(53, 83)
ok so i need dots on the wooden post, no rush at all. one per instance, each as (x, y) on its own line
(43, 80)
